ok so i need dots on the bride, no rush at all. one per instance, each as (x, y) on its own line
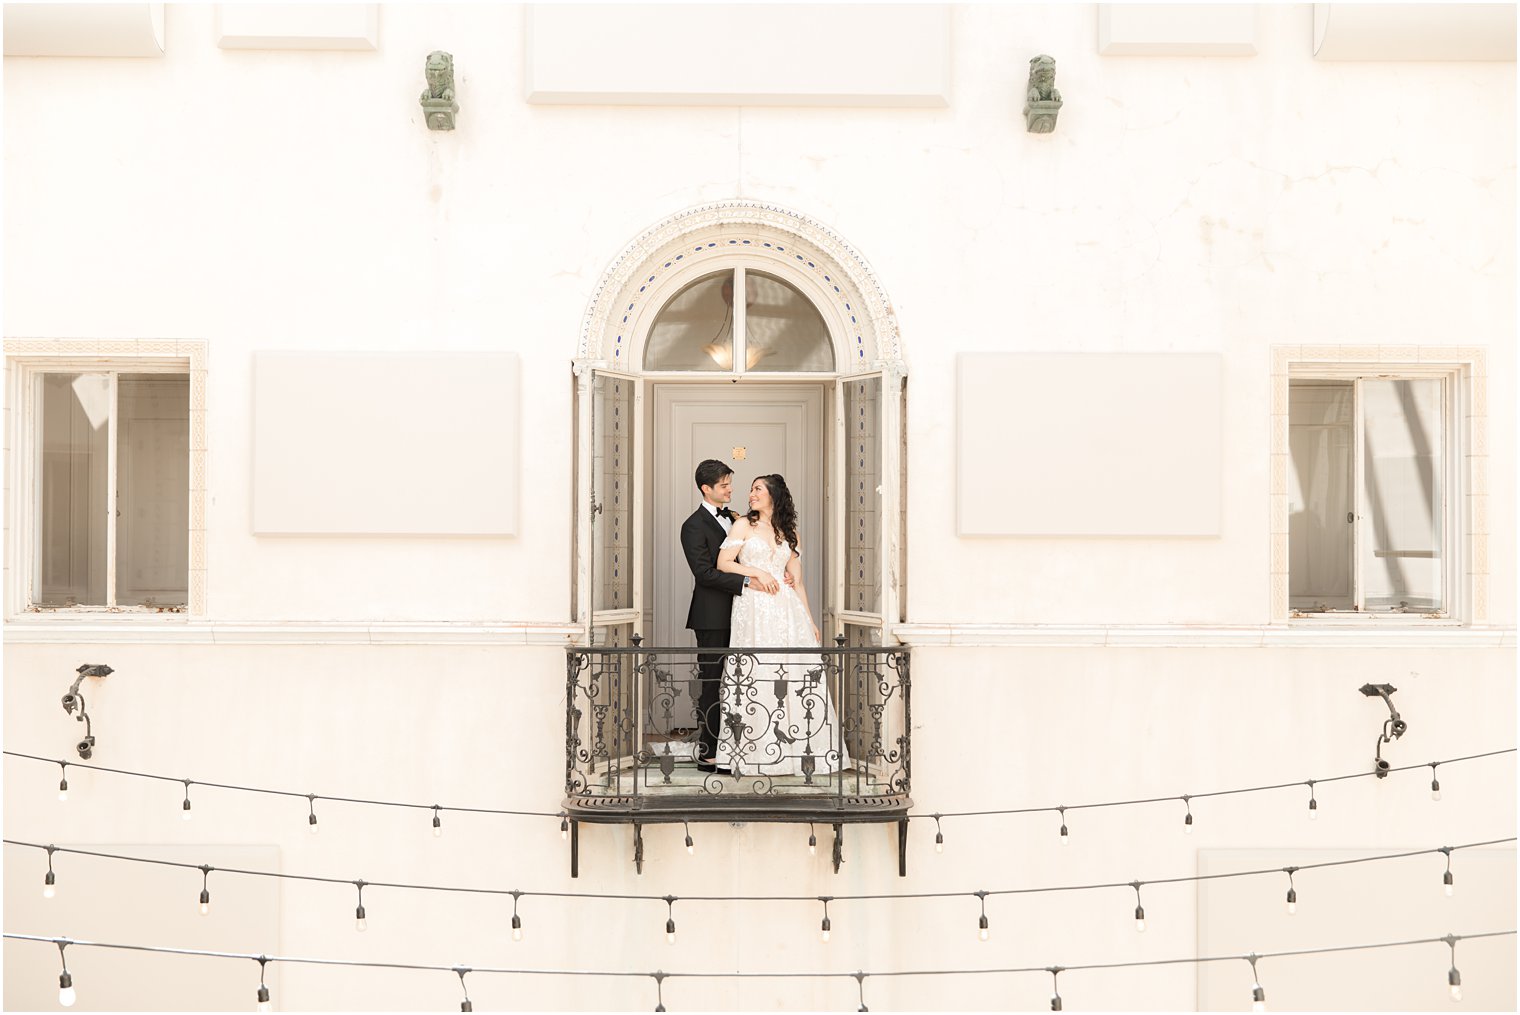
(778, 718)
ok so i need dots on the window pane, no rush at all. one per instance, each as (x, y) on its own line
(153, 490)
(695, 330)
(782, 329)
(611, 490)
(1320, 495)
(76, 433)
(1402, 466)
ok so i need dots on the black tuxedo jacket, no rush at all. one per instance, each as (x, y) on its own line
(712, 601)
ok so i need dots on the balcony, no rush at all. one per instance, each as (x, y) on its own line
(630, 738)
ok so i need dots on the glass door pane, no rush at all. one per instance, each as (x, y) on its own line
(1320, 495)
(611, 492)
(153, 490)
(862, 469)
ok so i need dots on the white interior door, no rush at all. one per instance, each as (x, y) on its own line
(756, 429)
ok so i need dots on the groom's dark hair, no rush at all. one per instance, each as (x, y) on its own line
(711, 473)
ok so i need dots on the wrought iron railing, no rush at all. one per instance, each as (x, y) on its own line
(817, 731)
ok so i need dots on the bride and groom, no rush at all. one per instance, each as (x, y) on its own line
(749, 594)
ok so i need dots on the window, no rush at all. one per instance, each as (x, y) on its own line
(105, 477)
(774, 328)
(1371, 488)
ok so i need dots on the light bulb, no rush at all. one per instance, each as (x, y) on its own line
(1292, 908)
(827, 928)
(1454, 980)
(1435, 789)
(1313, 809)
(670, 932)
(66, 995)
(1292, 901)
(1055, 1002)
(982, 930)
(939, 842)
(564, 829)
(437, 827)
(184, 811)
(691, 846)
(1140, 919)
(1065, 836)
(1447, 880)
(516, 927)
(205, 902)
(63, 791)
(312, 826)
(812, 844)
(1187, 825)
(1258, 998)
(263, 1004)
(360, 924)
(48, 891)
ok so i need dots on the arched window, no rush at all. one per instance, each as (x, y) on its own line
(774, 328)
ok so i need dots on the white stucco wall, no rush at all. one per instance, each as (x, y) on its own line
(272, 200)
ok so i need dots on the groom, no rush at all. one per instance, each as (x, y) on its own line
(712, 600)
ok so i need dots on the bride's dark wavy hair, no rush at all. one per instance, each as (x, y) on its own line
(783, 509)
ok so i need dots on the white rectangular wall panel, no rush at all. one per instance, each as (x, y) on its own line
(68, 29)
(1442, 31)
(1177, 29)
(385, 443)
(1073, 444)
(298, 26)
(741, 54)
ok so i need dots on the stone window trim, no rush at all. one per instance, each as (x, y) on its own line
(1467, 366)
(25, 359)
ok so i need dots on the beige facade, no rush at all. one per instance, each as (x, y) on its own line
(389, 334)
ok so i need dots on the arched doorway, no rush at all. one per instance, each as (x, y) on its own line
(805, 371)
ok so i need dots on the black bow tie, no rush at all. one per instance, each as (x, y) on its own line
(725, 513)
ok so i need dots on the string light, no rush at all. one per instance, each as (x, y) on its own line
(63, 783)
(361, 924)
(1453, 978)
(827, 927)
(1139, 909)
(1065, 835)
(1292, 892)
(939, 835)
(464, 1005)
(311, 817)
(860, 981)
(516, 920)
(1435, 783)
(66, 995)
(982, 930)
(812, 841)
(565, 822)
(1055, 987)
(1258, 995)
(1449, 939)
(670, 919)
(437, 823)
(263, 992)
(659, 990)
(49, 880)
(184, 811)
(1446, 879)
(518, 893)
(691, 845)
(206, 870)
(1187, 821)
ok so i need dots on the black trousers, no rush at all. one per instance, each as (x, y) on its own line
(710, 673)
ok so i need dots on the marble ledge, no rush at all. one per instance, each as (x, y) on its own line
(158, 630)
(1301, 634)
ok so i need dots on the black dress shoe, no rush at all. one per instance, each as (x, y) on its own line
(703, 766)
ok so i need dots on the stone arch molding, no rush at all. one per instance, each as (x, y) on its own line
(866, 334)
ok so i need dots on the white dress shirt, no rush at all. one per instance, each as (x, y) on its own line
(712, 509)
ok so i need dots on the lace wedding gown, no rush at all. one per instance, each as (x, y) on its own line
(777, 715)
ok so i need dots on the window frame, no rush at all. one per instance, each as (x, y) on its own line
(1464, 576)
(26, 362)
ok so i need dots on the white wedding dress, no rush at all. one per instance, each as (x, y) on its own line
(778, 717)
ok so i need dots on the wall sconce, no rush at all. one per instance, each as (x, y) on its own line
(1393, 728)
(73, 699)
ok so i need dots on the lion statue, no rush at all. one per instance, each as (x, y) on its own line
(440, 76)
(1042, 79)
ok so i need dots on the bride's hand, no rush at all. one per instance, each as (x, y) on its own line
(817, 637)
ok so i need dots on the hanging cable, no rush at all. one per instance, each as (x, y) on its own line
(1258, 995)
(262, 997)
